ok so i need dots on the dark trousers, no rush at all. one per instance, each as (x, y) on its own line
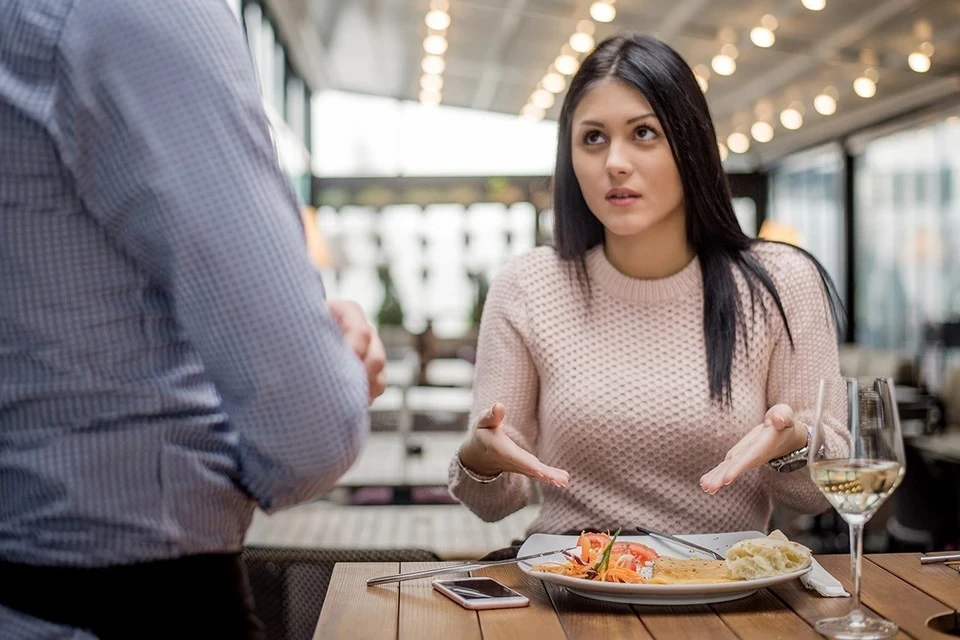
(204, 596)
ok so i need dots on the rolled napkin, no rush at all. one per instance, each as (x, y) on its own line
(820, 580)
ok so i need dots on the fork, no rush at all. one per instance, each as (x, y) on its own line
(680, 541)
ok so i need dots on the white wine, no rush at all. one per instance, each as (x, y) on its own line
(856, 488)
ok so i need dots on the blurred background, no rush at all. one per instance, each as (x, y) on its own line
(420, 135)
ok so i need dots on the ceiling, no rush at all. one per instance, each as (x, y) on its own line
(500, 49)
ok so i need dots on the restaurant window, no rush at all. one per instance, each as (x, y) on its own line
(907, 241)
(806, 209)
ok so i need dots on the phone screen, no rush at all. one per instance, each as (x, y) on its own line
(478, 589)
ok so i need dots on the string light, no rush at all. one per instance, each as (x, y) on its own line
(762, 131)
(581, 42)
(738, 142)
(918, 62)
(438, 20)
(791, 118)
(724, 65)
(762, 37)
(566, 64)
(434, 46)
(865, 87)
(825, 104)
(603, 11)
(554, 82)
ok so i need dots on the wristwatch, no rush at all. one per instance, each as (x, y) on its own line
(796, 459)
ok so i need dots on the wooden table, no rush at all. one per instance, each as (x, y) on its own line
(895, 586)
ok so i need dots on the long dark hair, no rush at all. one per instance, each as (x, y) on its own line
(666, 81)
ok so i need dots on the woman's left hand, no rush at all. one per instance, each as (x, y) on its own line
(779, 435)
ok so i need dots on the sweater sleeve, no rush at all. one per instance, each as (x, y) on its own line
(505, 373)
(795, 372)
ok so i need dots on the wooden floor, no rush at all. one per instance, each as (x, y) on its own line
(451, 531)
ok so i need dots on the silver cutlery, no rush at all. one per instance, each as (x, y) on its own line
(947, 557)
(680, 541)
(457, 568)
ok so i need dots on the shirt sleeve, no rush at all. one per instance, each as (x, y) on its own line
(159, 119)
(505, 373)
(795, 372)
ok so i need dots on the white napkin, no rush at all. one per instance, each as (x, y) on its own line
(820, 580)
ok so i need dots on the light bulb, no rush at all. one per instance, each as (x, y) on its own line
(431, 83)
(542, 98)
(587, 27)
(730, 49)
(738, 142)
(723, 151)
(825, 105)
(433, 65)
(865, 87)
(603, 12)
(814, 5)
(762, 37)
(918, 62)
(438, 20)
(566, 64)
(791, 119)
(581, 42)
(724, 65)
(430, 98)
(554, 82)
(435, 44)
(762, 131)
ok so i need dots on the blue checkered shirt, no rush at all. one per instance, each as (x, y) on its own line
(166, 358)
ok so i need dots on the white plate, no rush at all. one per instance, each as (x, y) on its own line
(662, 594)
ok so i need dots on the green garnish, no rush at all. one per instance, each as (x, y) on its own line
(605, 559)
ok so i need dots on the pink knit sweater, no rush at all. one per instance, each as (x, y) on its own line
(617, 393)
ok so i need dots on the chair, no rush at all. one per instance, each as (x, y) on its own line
(289, 584)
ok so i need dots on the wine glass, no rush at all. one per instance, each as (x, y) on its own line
(856, 483)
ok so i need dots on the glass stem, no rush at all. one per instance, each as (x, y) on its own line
(856, 557)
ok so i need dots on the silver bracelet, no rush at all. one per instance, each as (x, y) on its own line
(473, 475)
(797, 459)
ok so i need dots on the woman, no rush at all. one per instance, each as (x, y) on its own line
(657, 354)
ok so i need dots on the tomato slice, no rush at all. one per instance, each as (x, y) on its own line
(592, 542)
(641, 552)
(627, 561)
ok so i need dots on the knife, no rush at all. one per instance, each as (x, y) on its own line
(457, 568)
(680, 541)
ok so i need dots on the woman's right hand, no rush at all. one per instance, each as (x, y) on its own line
(489, 451)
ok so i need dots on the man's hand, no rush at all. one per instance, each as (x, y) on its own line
(363, 340)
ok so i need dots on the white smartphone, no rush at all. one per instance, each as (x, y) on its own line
(480, 593)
